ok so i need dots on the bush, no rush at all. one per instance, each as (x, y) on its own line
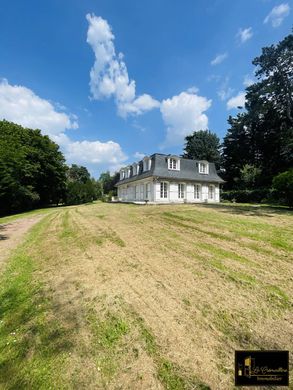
(246, 196)
(283, 187)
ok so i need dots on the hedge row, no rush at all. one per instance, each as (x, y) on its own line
(247, 196)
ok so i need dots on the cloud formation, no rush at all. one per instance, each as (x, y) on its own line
(244, 34)
(278, 14)
(109, 75)
(219, 58)
(184, 114)
(224, 92)
(236, 101)
(21, 105)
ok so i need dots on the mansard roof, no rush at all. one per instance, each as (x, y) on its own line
(189, 170)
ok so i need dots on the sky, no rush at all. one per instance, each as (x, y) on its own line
(111, 81)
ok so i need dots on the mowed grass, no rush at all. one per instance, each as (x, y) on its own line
(139, 297)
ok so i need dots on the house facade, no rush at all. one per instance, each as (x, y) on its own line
(161, 178)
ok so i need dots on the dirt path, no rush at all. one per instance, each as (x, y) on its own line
(12, 233)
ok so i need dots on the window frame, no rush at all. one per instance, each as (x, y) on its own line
(197, 192)
(213, 192)
(200, 168)
(174, 164)
(181, 193)
(164, 190)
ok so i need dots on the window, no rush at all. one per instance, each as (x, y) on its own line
(128, 172)
(122, 175)
(211, 192)
(137, 169)
(147, 190)
(203, 168)
(150, 164)
(180, 191)
(146, 164)
(197, 191)
(134, 169)
(163, 190)
(136, 192)
(173, 163)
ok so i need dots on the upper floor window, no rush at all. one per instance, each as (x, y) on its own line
(122, 174)
(134, 169)
(174, 163)
(203, 168)
(146, 164)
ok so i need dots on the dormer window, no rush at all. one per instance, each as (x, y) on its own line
(147, 164)
(203, 167)
(135, 169)
(122, 174)
(174, 164)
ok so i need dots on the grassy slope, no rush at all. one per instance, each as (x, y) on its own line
(103, 295)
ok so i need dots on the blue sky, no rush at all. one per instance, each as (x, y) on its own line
(110, 81)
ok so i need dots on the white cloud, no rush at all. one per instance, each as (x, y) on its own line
(248, 81)
(21, 105)
(109, 75)
(183, 114)
(277, 14)
(244, 34)
(236, 101)
(138, 155)
(219, 58)
(225, 91)
(95, 152)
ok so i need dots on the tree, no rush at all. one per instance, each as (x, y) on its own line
(283, 185)
(78, 173)
(80, 187)
(249, 176)
(262, 136)
(108, 182)
(203, 145)
(32, 169)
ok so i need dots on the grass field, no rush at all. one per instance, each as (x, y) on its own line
(114, 296)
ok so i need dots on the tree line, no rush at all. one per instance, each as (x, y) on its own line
(256, 156)
(33, 173)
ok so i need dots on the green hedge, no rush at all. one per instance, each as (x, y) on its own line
(247, 196)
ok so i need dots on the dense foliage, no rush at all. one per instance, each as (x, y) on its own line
(32, 169)
(81, 188)
(259, 142)
(203, 145)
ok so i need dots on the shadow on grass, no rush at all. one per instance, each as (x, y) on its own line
(3, 236)
(249, 210)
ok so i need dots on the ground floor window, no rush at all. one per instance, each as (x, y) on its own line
(180, 191)
(211, 192)
(163, 190)
(197, 191)
(136, 192)
(148, 190)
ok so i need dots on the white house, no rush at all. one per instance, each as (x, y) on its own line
(161, 178)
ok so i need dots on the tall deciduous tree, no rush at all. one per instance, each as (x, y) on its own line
(32, 169)
(203, 145)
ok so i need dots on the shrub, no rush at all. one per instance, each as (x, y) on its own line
(246, 196)
(283, 187)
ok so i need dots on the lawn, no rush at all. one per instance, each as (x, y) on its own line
(121, 296)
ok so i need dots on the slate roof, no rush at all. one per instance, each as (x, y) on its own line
(188, 171)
